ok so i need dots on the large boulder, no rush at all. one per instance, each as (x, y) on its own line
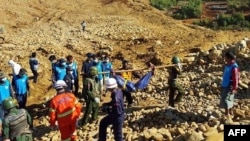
(241, 48)
(215, 137)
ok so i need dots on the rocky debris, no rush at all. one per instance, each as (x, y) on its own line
(2, 29)
(212, 59)
(197, 116)
(2, 40)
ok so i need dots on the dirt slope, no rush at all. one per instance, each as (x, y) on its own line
(47, 26)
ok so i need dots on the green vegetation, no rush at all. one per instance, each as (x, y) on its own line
(236, 20)
(190, 10)
(163, 4)
(238, 4)
(184, 9)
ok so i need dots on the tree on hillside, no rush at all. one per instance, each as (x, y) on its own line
(222, 20)
(237, 19)
(163, 4)
(191, 10)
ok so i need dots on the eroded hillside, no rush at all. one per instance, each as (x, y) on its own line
(130, 28)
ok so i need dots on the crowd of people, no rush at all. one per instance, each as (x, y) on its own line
(15, 121)
(97, 77)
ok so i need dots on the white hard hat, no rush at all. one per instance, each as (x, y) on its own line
(111, 83)
(60, 84)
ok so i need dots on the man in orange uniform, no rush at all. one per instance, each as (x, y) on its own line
(65, 109)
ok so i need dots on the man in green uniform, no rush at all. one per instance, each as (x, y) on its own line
(173, 84)
(91, 95)
(17, 123)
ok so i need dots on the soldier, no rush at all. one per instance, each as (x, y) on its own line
(65, 109)
(17, 123)
(173, 84)
(91, 95)
(115, 109)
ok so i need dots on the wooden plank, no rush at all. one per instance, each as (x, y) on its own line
(145, 69)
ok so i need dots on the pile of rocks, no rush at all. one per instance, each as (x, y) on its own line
(197, 117)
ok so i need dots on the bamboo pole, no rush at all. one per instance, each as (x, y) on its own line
(147, 69)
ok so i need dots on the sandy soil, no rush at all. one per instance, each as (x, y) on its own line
(24, 20)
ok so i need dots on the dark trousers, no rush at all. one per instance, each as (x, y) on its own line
(174, 86)
(116, 122)
(128, 96)
(22, 100)
(76, 84)
(35, 75)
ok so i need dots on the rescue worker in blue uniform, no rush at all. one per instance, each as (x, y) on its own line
(60, 69)
(115, 109)
(107, 67)
(73, 64)
(98, 64)
(21, 87)
(5, 91)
